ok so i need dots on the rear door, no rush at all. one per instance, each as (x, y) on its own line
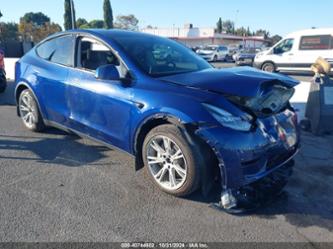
(223, 52)
(52, 75)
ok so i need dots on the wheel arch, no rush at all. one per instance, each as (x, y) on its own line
(208, 173)
(20, 87)
(146, 126)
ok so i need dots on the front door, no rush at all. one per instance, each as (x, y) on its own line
(283, 54)
(100, 108)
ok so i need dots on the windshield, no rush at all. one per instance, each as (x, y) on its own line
(210, 48)
(158, 56)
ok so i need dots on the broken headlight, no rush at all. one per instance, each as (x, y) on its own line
(227, 119)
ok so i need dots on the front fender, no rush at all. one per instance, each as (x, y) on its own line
(170, 116)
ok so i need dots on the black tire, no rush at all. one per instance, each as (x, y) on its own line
(268, 67)
(191, 154)
(215, 58)
(2, 89)
(3, 84)
(37, 124)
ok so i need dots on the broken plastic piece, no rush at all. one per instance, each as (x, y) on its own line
(228, 200)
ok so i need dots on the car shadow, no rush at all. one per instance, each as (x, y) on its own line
(68, 150)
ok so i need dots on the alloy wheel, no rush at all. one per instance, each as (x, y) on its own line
(27, 110)
(166, 162)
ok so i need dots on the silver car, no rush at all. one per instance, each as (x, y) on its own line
(214, 53)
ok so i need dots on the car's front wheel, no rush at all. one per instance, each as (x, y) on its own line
(268, 67)
(29, 112)
(171, 161)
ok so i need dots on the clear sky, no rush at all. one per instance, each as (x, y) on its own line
(279, 17)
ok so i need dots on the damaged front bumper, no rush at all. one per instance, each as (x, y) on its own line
(246, 158)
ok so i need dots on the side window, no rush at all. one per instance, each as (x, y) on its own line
(93, 54)
(284, 46)
(58, 50)
(318, 42)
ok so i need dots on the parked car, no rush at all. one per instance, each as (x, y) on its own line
(186, 122)
(244, 57)
(195, 48)
(297, 51)
(3, 81)
(234, 49)
(214, 53)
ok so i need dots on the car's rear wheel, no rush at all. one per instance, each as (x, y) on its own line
(29, 112)
(215, 58)
(268, 67)
(171, 161)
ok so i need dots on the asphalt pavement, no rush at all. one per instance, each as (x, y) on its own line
(59, 187)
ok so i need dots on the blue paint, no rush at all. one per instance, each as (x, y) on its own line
(113, 111)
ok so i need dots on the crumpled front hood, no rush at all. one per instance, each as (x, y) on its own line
(239, 81)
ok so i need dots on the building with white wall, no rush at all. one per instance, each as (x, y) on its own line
(194, 36)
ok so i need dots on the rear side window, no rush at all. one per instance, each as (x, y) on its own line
(59, 50)
(316, 42)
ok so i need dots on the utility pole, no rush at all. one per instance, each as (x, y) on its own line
(72, 14)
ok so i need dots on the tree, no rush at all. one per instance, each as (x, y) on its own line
(96, 24)
(32, 33)
(68, 15)
(129, 22)
(219, 26)
(36, 19)
(248, 31)
(81, 22)
(228, 26)
(9, 31)
(0, 14)
(35, 27)
(262, 32)
(85, 26)
(241, 31)
(108, 15)
(275, 39)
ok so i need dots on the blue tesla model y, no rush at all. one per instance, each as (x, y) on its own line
(187, 123)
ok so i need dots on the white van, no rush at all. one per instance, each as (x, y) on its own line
(297, 51)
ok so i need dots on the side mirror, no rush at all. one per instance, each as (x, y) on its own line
(107, 72)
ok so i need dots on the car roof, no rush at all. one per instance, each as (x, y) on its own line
(316, 31)
(105, 34)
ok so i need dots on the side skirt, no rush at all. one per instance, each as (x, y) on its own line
(80, 134)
